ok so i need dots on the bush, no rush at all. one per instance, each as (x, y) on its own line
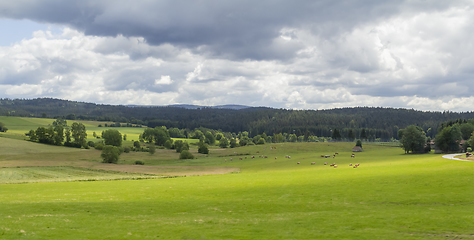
(180, 145)
(244, 141)
(233, 143)
(185, 154)
(223, 143)
(126, 149)
(136, 144)
(99, 146)
(110, 154)
(3, 128)
(91, 144)
(203, 149)
(168, 144)
(152, 149)
(138, 162)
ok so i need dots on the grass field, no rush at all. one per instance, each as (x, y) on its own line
(390, 196)
(19, 153)
(63, 173)
(18, 126)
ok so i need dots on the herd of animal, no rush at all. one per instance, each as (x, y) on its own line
(313, 163)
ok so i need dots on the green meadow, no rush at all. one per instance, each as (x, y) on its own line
(18, 126)
(50, 192)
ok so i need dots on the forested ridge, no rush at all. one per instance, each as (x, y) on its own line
(378, 122)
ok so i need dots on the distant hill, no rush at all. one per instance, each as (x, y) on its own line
(378, 122)
(188, 106)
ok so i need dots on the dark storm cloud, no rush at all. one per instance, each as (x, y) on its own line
(294, 54)
(231, 29)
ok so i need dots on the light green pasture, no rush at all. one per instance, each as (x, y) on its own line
(18, 126)
(390, 196)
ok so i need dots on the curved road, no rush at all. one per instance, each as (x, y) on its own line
(452, 156)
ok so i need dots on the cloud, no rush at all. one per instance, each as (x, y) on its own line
(164, 80)
(310, 54)
(233, 29)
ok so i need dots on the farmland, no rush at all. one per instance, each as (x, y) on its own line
(391, 195)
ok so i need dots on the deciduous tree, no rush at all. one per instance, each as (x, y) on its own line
(209, 138)
(2, 127)
(110, 154)
(413, 139)
(203, 148)
(223, 143)
(112, 137)
(448, 139)
(58, 135)
(179, 145)
(78, 132)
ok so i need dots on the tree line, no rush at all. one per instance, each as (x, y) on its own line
(452, 136)
(60, 134)
(369, 123)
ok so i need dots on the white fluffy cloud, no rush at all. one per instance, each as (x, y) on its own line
(381, 54)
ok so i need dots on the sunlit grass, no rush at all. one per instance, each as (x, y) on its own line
(391, 195)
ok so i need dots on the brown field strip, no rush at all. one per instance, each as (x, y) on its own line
(158, 170)
(18, 153)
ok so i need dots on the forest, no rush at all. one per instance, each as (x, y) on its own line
(371, 123)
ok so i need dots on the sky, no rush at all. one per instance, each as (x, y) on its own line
(316, 54)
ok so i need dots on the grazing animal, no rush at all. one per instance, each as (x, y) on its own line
(253, 157)
(313, 163)
(334, 156)
(335, 166)
(322, 155)
(289, 157)
(353, 155)
(332, 165)
(326, 156)
(350, 165)
(231, 159)
(258, 152)
(245, 157)
(298, 163)
(336, 153)
(355, 166)
(266, 157)
(325, 163)
(240, 158)
(275, 157)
